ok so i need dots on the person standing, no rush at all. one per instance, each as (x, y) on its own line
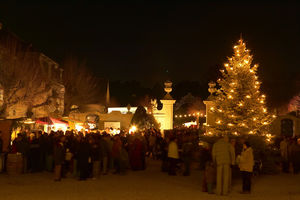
(284, 155)
(223, 157)
(59, 158)
(84, 154)
(246, 163)
(173, 156)
(295, 154)
(187, 150)
(232, 145)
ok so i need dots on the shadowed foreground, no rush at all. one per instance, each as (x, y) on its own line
(143, 185)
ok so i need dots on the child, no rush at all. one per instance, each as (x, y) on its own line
(210, 176)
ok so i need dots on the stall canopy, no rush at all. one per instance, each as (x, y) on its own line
(51, 121)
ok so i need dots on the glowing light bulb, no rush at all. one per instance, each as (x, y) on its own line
(265, 110)
(231, 90)
(261, 101)
(231, 68)
(226, 65)
(235, 47)
(248, 96)
(229, 124)
(246, 61)
(254, 119)
(219, 122)
(230, 97)
(256, 82)
(220, 110)
(241, 104)
(250, 132)
(251, 70)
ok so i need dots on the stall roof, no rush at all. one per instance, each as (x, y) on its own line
(50, 121)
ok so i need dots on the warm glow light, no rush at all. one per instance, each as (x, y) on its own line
(251, 70)
(264, 109)
(248, 96)
(226, 65)
(250, 132)
(220, 110)
(230, 97)
(231, 90)
(231, 68)
(219, 122)
(188, 124)
(265, 123)
(246, 61)
(256, 82)
(240, 104)
(230, 124)
(261, 101)
(254, 119)
(212, 108)
(133, 129)
(274, 116)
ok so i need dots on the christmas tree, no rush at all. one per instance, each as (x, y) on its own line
(238, 105)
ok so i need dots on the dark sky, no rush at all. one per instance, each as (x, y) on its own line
(146, 41)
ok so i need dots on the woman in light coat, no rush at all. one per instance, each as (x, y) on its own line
(246, 163)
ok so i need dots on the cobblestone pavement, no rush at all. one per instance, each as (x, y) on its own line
(150, 184)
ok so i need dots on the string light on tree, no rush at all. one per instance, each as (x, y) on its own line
(238, 103)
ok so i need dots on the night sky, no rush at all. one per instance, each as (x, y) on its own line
(149, 42)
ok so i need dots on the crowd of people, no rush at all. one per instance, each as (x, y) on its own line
(89, 155)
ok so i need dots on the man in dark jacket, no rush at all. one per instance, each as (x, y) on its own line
(83, 159)
(59, 158)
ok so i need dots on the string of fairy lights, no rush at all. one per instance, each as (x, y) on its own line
(196, 114)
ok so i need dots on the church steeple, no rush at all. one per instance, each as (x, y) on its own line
(107, 94)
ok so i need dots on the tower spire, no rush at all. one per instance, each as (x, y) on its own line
(107, 94)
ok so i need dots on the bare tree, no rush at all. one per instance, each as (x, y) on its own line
(20, 72)
(81, 86)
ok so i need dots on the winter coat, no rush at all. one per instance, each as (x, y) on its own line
(210, 172)
(246, 160)
(59, 154)
(284, 149)
(222, 153)
(173, 150)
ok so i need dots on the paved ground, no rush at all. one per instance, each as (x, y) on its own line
(143, 185)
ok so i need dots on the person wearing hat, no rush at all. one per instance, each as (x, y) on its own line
(246, 163)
